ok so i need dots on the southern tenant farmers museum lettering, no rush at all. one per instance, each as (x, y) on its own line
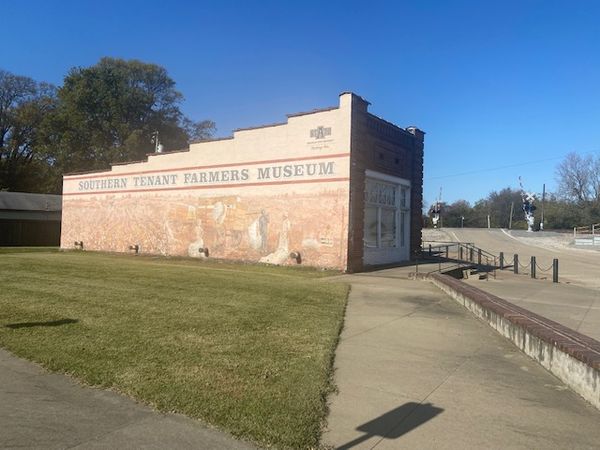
(191, 178)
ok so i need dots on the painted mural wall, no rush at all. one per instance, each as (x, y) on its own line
(260, 196)
(263, 224)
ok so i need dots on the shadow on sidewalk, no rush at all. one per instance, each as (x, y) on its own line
(395, 423)
(52, 323)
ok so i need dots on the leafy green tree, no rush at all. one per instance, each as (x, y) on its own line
(452, 214)
(198, 131)
(24, 104)
(108, 112)
(499, 205)
(479, 213)
(563, 215)
(103, 114)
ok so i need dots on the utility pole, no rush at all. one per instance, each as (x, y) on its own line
(543, 200)
(158, 147)
(512, 207)
(441, 220)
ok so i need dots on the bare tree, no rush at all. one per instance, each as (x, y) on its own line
(576, 178)
(198, 131)
(595, 179)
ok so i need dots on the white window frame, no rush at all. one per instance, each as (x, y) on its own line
(399, 251)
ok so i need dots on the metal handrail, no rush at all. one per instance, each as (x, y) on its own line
(475, 256)
(472, 256)
(448, 244)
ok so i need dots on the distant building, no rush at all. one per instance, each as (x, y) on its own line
(29, 219)
(337, 187)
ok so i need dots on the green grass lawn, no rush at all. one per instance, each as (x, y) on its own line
(246, 348)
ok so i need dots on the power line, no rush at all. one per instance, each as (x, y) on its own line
(491, 169)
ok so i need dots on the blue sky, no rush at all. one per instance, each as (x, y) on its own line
(502, 88)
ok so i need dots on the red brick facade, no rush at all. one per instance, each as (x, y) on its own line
(388, 149)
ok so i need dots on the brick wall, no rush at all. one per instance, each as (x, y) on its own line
(382, 147)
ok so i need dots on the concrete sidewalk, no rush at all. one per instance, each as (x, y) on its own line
(577, 307)
(49, 411)
(416, 370)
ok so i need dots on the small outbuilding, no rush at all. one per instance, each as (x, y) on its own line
(29, 219)
(336, 187)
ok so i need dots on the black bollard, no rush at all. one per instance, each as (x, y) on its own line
(501, 260)
(516, 264)
(532, 271)
(555, 270)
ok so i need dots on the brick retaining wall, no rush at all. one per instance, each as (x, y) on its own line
(571, 356)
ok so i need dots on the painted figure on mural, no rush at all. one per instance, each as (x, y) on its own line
(196, 248)
(281, 254)
(284, 235)
(263, 229)
(219, 213)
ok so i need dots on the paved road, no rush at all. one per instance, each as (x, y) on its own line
(417, 370)
(577, 266)
(574, 302)
(39, 410)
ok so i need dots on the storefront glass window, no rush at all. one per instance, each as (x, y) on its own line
(388, 227)
(402, 228)
(403, 197)
(383, 205)
(371, 226)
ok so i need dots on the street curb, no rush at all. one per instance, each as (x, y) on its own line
(571, 356)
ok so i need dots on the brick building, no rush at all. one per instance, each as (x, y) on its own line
(336, 187)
